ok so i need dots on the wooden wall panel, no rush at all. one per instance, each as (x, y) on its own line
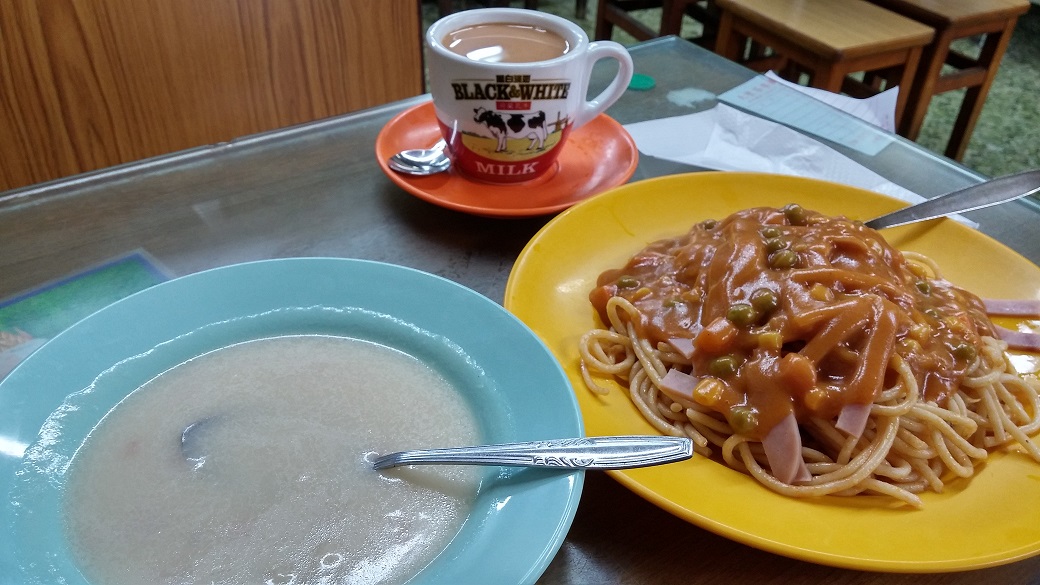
(86, 84)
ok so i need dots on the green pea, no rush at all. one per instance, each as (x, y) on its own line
(709, 224)
(795, 214)
(770, 232)
(764, 301)
(741, 314)
(743, 419)
(723, 366)
(775, 244)
(783, 259)
(924, 287)
(627, 282)
(965, 352)
(933, 313)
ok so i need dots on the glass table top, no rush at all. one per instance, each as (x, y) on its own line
(315, 190)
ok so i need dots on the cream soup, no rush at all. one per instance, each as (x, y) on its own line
(279, 490)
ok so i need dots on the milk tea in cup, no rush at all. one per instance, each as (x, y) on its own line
(503, 42)
(509, 85)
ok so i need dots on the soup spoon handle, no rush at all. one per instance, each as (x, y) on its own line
(970, 198)
(620, 452)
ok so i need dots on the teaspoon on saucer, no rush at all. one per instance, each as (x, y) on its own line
(421, 161)
(618, 452)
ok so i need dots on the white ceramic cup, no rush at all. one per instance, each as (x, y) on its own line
(506, 122)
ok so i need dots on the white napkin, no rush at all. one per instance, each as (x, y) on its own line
(726, 139)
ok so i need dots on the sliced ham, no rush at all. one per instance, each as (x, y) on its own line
(1013, 308)
(679, 386)
(853, 419)
(783, 447)
(682, 345)
(1019, 339)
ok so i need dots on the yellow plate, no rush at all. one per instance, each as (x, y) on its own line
(987, 520)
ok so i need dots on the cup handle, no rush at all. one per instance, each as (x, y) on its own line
(605, 50)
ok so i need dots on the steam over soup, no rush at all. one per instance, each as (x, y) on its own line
(276, 488)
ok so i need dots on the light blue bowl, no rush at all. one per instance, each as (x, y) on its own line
(50, 402)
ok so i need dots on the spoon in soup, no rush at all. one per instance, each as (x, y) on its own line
(616, 452)
(194, 440)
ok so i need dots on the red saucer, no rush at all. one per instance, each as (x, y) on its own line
(598, 156)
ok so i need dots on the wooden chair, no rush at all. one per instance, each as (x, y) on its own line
(87, 84)
(827, 40)
(953, 20)
(611, 13)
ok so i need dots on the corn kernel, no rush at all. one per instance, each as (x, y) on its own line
(953, 323)
(770, 340)
(921, 332)
(815, 398)
(821, 293)
(708, 391)
(692, 296)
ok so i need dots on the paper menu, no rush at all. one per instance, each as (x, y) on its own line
(770, 97)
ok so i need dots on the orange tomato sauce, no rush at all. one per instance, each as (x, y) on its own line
(796, 311)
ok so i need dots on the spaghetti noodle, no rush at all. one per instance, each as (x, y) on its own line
(808, 352)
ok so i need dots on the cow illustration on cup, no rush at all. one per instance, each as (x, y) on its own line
(503, 126)
(507, 143)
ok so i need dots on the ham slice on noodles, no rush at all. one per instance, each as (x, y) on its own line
(1012, 308)
(1022, 340)
(679, 386)
(1019, 339)
(783, 447)
(682, 345)
(853, 419)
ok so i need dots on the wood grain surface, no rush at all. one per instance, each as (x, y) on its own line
(846, 28)
(87, 84)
